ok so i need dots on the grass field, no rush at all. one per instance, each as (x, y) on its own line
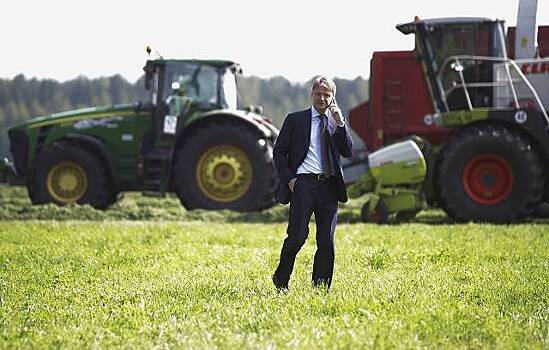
(148, 274)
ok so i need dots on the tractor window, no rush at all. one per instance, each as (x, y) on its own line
(206, 78)
(449, 41)
(229, 89)
(197, 82)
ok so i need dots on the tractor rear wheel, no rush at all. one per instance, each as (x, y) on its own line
(225, 166)
(68, 173)
(489, 173)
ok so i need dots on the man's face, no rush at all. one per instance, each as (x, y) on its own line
(322, 97)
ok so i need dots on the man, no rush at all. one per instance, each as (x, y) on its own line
(307, 157)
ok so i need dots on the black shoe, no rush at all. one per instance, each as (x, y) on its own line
(322, 285)
(279, 286)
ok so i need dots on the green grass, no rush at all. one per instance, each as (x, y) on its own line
(175, 279)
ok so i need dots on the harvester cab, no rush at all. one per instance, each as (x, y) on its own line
(456, 51)
(467, 69)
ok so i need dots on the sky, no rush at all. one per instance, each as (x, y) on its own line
(297, 39)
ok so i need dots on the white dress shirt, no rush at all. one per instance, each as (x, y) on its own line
(312, 164)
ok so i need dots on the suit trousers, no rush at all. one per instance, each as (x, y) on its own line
(310, 196)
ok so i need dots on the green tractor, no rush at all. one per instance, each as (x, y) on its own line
(188, 138)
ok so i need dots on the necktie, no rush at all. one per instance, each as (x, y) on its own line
(326, 166)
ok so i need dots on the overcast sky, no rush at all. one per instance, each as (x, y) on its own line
(298, 39)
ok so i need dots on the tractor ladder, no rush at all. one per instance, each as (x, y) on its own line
(156, 170)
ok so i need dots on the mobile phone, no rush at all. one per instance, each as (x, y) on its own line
(333, 102)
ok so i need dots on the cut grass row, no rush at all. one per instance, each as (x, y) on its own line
(15, 205)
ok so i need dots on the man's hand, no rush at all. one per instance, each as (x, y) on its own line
(337, 114)
(291, 183)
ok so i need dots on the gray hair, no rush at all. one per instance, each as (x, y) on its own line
(324, 81)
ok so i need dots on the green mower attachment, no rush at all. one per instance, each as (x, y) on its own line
(392, 185)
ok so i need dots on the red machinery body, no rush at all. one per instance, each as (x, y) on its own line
(399, 99)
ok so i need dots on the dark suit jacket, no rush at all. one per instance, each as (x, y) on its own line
(292, 146)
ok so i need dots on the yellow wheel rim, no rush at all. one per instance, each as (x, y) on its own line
(67, 182)
(224, 173)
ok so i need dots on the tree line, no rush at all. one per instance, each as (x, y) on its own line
(22, 98)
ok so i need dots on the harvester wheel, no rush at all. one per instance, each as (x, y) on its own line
(541, 210)
(225, 165)
(490, 173)
(68, 173)
(379, 215)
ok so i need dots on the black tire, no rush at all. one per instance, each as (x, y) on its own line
(93, 185)
(489, 173)
(245, 160)
(541, 211)
(380, 215)
(114, 198)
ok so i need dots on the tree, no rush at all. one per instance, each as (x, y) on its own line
(21, 98)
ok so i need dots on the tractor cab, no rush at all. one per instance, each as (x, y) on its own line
(177, 88)
(459, 56)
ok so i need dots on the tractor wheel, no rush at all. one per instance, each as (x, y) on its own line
(380, 215)
(541, 210)
(489, 173)
(225, 166)
(68, 173)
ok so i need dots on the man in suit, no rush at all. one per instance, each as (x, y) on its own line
(307, 157)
